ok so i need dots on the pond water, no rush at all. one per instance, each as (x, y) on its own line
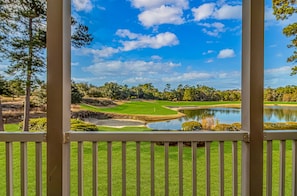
(227, 115)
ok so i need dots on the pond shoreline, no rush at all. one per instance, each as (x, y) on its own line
(124, 120)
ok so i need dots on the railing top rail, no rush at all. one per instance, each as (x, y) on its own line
(22, 137)
(280, 135)
(165, 136)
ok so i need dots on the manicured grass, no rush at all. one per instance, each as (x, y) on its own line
(144, 168)
(11, 127)
(152, 107)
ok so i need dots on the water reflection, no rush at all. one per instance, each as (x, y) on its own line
(227, 115)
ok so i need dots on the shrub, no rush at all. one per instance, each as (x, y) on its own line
(79, 125)
(39, 124)
(191, 126)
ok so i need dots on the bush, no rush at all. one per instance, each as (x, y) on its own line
(36, 124)
(39, 124)
(191, 126)
(79, 125)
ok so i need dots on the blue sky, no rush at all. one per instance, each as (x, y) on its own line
(173, 41)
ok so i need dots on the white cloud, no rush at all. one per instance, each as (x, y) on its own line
(82, 5)
(129, 68)
(211, 10)
(187, 77)
(144, 41)
(279, 70)
(280, 76)
(156, 57)
(228, 12)
(204, 11)
(226, 53)
(213, 29)
(157, 12)
(148, 4)
(99, 53)
(208, 52)
(74, 63)
(161, 15)
(139, 80)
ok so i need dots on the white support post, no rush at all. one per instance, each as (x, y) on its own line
(252, 96)
(58, 96)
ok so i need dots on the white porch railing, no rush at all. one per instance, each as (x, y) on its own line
(153, 137)
(89, 172)
(10, 155)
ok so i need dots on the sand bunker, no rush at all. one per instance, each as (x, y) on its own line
(116, 122)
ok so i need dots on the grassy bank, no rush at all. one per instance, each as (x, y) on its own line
(163, 107)
(153, 107)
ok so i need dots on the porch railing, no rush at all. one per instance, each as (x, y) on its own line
(287, 139)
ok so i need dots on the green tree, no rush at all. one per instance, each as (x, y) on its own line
(283, 10)
(76, 95)
(26, 49)
(16, 87)
(188, 94)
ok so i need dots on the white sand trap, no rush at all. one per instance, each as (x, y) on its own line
(116, 122)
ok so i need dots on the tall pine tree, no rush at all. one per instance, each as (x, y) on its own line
(26, 47)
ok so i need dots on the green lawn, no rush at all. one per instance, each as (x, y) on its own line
(145, 168)
(137, 108)
(152, 107)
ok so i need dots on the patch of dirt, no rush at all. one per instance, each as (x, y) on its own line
(99, 102)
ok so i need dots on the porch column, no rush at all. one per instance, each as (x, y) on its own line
(252, 96)
(58, 96)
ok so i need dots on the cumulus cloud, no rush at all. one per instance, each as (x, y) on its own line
(204, 11)
(228, 12)
(226, 53)
(82, 5)
(211, 10)
(161, 15)
(213, 29)
(144, 41)
(157, 12)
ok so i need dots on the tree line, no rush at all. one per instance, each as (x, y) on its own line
(116, 91)
(147, 91)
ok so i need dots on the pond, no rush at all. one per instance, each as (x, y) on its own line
(227, 115)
